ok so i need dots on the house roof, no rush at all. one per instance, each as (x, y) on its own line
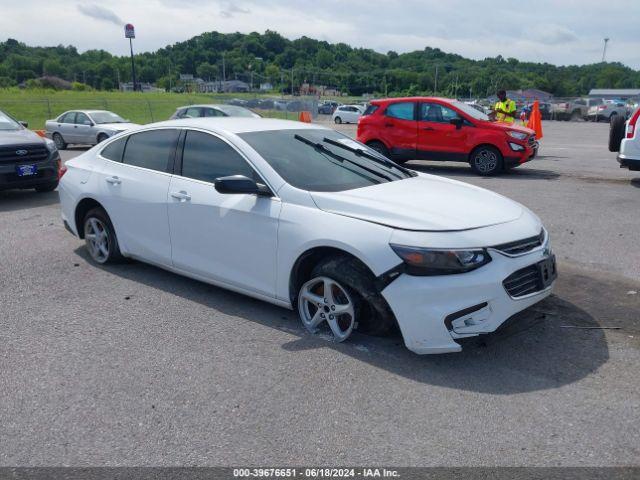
(615, 91)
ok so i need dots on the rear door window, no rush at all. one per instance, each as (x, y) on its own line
(68, 118)
(153, 150)
(212, 112)
(371, 109)
(192, 112)
(402, 110)
(206, 157)
(114, 150)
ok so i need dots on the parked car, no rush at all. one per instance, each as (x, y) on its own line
(607, 109)
(214, 110)
(347, 114)
(426, 128)
(85, 127)
(625, 139)
(575, 109)
(306, 218)
(327, 108)
(26, 159)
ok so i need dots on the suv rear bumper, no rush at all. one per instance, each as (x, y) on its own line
(46, 173)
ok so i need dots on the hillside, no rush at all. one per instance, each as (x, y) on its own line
(271, 57)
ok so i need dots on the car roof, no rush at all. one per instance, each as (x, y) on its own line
(382, 101)
(200, 105)
(235, 125)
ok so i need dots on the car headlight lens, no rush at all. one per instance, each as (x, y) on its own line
(517, 135)
(429, 261)
(50, 144)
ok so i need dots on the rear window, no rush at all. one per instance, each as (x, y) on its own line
(151, 150)
(403, 110)
(371, 109)
(114, 150)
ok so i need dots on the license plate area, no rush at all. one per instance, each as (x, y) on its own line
(547, 271)
(26, 170)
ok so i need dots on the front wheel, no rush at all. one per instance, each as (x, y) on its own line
(102, 137)
(100, 237)
(486, 161)
(337, 120)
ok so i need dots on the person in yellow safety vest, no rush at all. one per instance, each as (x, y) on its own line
(505, 109)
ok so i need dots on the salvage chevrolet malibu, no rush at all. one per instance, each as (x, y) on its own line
(308, 219)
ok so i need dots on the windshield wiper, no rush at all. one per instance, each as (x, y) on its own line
(340, 158)
(380, 160)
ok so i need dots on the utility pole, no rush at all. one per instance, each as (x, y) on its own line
(224, 71)
(435, 85)
(291, 81)
(604, 50)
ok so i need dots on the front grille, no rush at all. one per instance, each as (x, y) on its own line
(521, 246)
(35, 153)
(523, 281)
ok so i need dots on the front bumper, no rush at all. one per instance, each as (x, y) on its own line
(46, 173)
(518, 158)
(422, 304)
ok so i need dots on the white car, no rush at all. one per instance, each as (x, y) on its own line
(306, 218)
(347, 114)
(625, 139)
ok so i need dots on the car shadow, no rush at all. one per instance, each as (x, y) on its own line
(635, 182)
(11, 200)
(530, 352)
(524, 172)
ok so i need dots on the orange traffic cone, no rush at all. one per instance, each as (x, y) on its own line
(535, 120)
(304, 117)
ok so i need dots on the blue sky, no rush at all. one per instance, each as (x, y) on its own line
(562, 32)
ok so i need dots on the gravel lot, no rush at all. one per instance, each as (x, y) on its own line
(132, 365)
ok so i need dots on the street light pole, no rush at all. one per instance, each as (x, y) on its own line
(604, 50)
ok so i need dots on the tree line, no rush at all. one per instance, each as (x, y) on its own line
(269, 57)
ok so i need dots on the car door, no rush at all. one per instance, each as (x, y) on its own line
(65, 127)
(229, 238)
(134, 185)
(438, 138)
(83, 129)
(399, 129)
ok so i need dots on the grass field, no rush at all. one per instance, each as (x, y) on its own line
(36, 107)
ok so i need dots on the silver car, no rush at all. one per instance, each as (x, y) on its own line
(86, 127)
(213, 110)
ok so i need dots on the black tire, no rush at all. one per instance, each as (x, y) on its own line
(576, 116)
(47, 187)
(380, 148)
(616, 132)
(486, 161)
(102, 137)
(59, 141)
(337, 120)
(373, 314)
(114, 255)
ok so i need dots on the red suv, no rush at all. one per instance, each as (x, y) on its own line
(426, 128)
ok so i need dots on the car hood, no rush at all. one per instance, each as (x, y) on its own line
(505, 127)
(16, 137)
(120, 127)
(422, 203)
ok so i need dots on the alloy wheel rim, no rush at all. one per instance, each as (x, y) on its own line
(57, 140)
(322, 299)
(486, 161)
(97, 239)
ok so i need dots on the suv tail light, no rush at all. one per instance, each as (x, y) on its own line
(633, 121)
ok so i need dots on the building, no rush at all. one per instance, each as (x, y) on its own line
(266, 87)
(143, 87)
(617, 93)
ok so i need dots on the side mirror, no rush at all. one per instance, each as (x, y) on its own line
(236, 184)
(24, 124)
(458, 122)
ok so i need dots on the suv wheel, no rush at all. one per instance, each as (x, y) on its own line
(486, 161)
(100, 237)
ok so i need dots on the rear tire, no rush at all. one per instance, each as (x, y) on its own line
(337, 120)
(380, 148)
(100, 237)
(616, 132)
(59, 141)
(47, 187)
(372, 314)
(486, 161)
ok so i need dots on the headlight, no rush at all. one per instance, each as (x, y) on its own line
(430, 261)
(518, 135)
(50, 144)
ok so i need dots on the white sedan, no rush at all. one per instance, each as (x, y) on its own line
(347, 114)
(306, 218)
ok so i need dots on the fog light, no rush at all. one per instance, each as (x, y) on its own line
(515, 147)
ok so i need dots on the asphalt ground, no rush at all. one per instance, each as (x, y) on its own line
(132, 365)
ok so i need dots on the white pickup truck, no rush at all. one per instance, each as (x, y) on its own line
(607, 109)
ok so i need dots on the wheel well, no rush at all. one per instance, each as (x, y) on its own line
(83, 207)
(301, 271)
(101, 134)
(484, 145)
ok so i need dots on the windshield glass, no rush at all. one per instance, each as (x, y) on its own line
(106, 117)
(469, 110)
(320, 169)
(7, 123)
(235, 111)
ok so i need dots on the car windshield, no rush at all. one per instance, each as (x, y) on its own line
(7, 123)
(469, 110)
(107, 117)
(306, 159)
(235, 111)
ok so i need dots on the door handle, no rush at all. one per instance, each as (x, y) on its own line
(428, 128)
(181, 195)
(113, 180)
